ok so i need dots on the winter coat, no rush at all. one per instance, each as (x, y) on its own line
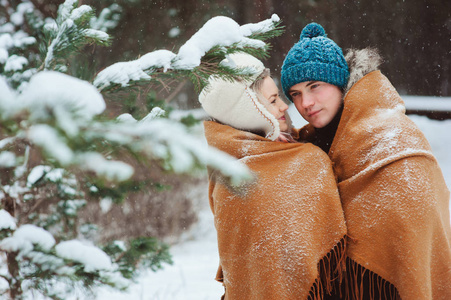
(279, 235)
(394, 196)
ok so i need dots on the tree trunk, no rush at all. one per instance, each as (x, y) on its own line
(15, 287)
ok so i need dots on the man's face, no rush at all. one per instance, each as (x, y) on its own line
(318, 102)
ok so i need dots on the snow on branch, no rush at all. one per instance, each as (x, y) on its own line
(49, 89)
(69, 32)
(24, 239)
(91, 257)
(108, 18)
(39, 246)
(170, 142)
(124, 72)
(219, 31)
(52, 98)
(6, 220)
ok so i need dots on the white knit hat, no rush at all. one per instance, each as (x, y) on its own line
(235, 104)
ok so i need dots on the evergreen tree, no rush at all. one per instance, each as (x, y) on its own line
(58, 149)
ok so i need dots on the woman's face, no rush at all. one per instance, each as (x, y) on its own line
(318, 102)
(272, 101)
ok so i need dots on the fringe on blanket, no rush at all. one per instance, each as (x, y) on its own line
(342, 278)
(362, 284)
(330, 272)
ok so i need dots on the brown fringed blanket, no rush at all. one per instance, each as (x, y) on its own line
(280, 235)
(394, 197)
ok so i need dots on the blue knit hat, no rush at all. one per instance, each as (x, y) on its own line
(314, 58)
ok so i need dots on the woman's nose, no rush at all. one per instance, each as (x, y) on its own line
(283, 107)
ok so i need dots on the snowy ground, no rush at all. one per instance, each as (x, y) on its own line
(190, 277)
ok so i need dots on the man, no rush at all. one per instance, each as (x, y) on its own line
(394, 197)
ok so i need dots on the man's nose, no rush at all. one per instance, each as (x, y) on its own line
(307, 101)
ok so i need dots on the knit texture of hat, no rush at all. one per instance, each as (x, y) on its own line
(314, 58)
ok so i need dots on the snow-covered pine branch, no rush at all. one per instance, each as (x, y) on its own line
(70, 32)
(38, 251)
(108, 18)
(220, 35)
(15, 61)
(71, 105)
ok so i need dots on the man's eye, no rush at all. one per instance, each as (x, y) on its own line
(314, 86)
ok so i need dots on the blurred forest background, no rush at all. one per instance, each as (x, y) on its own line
(414, 37)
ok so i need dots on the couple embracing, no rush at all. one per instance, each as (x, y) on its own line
(351, 206)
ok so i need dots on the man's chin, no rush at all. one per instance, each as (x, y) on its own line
(317, 125)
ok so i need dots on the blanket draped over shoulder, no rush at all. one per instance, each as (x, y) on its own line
(394, 197)
(278, 234)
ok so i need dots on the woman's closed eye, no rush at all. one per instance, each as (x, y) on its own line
(273, 99)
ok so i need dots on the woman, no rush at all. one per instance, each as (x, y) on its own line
(280, 236)
(394, 197)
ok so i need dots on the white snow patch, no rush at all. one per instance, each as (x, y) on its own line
(48, 139)
(427, 103)
(174, 32)
(17, 18)
(155, 113)
(115, 278)
(126, 118)
(7, 98)
(263, 26)
(3, 55)
(36, 173)
(66, 8)
(49, 89)
(197, 113)
(96, 34)
(6, 41)
(7, 28)
(105, 204)
(108, 18)
(15, 190)
(51, 26)
(218, 31)
(25, 237)
(80, 12)
(55, 175)
(7, 159)
(21, 41)
(71, 207)
(15, 63)
(124, 72)
(92, 257)
(111, 170)
(120, 245)
(6, 220)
